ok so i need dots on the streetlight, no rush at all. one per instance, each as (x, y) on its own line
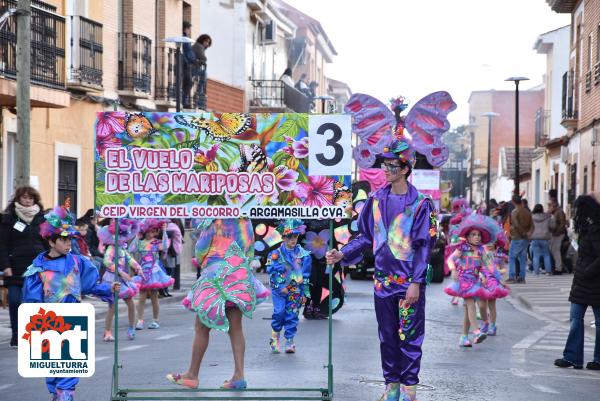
(516, 80)
(469, 128)
(178, 40)
(489, 115)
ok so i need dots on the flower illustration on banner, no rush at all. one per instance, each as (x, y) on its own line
(285, 178)
(317, 192)
(207, 158)
(150, 199)
(110, 124)
(298, 149)
(317, 243)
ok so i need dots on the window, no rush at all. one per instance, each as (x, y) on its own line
(598, 44)
(585, 180)
(590, 44)
(67, 181)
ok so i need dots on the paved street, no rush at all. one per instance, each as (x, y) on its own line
(515, 365)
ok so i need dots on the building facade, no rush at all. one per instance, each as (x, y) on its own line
(580, 99)
(502, 134)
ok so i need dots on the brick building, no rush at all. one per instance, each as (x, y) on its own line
(88, 55)
(581, 97)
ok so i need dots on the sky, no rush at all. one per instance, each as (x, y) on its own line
(388, 48)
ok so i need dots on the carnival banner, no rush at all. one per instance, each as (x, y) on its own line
(203, 165)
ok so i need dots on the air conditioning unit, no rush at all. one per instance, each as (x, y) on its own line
(564, 154)
(270, 33)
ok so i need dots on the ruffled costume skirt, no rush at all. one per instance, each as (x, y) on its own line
(467, 286)
(155, 278)
(493, 286)
(207, 300)
(129, 288)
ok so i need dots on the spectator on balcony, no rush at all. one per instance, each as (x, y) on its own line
(302, 86)
(202, 43)
(189, 59)
(286, 77)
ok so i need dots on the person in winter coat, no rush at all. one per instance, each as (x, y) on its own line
(20, 243)
(543, 224)
(585, 290)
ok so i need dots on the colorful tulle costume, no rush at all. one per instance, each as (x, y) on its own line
(61, 280)
(224, 250)
(470, 261)
(289, 272)
(128, 229)
(148, 251)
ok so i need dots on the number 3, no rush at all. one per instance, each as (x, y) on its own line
(333, 142)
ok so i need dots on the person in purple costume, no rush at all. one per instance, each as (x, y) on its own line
(399, 223)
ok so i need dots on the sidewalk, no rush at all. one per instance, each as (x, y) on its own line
(187, 279)
(548, 296)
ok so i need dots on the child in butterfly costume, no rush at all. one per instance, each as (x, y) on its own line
(148, 249)
(397, 222)
(468, 262)
(58, 276)
(130, 286)
(493, 282)
(289, 271)
(226, 290)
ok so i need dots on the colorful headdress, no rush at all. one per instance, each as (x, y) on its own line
(487, 226)
(59, 221)
(459, 205)
(149, 224)
(128, 229)
(291, 227)
(399, 150)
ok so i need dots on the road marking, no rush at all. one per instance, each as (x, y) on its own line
(168, 336)
(533, 338)
(101, 358)
(133, 347)
(544, 389)
(5, 386)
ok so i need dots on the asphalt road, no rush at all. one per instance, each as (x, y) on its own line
(515, 365)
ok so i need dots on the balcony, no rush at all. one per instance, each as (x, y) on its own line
(273, 96)
(135, 65)
(588, 81)
(569, 102)
(164, 90)
(562, 6)
(597, 74)
(48, 72)
(85, 71)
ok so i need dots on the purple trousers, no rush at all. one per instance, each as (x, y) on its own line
(401, 334)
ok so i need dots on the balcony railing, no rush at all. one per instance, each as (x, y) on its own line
(588, 81)
(86, 52)
(165, 74)
(47, 46)
(597, 74)
(135, 60)
(276, 94)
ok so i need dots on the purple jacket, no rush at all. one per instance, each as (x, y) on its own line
(393, 275)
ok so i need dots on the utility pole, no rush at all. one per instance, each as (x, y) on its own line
(23, 86)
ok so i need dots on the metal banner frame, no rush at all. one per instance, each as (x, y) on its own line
(126, 394)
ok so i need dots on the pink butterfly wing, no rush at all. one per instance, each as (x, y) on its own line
(373, 122)
(426, 122)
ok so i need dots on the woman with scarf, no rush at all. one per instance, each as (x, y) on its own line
(20, 243)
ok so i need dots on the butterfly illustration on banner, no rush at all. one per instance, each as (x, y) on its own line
(229, 284)
(221, 126)
(377, 125)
